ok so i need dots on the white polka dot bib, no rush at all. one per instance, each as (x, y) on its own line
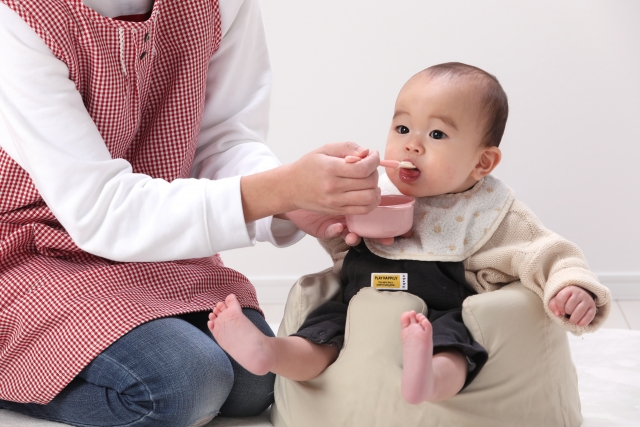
(449, 227)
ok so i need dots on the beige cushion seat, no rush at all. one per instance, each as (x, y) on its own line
(529, 379)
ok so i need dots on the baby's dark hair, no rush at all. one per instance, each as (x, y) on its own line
(493, 98)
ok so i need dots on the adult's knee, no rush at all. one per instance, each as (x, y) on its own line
(197, 385)
(187, 377)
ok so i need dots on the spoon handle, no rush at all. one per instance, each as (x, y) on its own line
(352, 159)
(390, 163)
(384, 163)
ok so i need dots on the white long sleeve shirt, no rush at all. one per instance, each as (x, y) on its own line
(106, 208)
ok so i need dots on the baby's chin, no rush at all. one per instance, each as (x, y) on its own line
(413, 189)
(419, 188)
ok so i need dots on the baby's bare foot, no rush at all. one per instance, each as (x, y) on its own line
(235, 333)
(417, 357)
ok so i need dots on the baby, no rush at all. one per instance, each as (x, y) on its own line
(469, 235)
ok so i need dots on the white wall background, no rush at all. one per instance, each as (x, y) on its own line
(571, 69)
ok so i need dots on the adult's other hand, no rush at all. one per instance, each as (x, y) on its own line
(324, 226)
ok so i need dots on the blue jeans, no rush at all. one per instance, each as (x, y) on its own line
(166, 372)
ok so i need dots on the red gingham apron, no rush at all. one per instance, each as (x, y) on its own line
(143, 83)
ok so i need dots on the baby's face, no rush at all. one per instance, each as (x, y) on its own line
(436, 126)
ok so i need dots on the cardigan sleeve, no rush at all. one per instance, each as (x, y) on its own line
(544, 262)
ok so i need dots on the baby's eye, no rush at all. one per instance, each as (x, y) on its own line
(402, 129)
(437, 134)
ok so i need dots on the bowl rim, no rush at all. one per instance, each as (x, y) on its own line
(410, 202)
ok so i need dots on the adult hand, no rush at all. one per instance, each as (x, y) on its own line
(320, 181)
(575, 303)
(352, 239)
(330, 226)
(318, 225)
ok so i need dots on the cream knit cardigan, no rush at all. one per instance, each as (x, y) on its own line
(515, 248)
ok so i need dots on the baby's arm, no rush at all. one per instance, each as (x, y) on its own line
(575, 302)
(544, 262)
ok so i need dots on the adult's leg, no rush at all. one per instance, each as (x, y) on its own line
(163, 373)
(251, 394)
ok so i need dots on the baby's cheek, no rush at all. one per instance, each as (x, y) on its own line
(393, 177)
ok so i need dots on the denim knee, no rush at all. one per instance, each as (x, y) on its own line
(163, 373)
(194, 384)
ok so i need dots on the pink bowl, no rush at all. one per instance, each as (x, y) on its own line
(393, 217)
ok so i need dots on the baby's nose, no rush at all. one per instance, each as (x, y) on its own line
(413, 148)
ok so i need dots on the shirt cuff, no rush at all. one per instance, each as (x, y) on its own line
(279, 232)
(224, 216)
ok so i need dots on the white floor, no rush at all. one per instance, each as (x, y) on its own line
(625, 314)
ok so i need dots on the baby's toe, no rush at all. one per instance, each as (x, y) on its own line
(405, 319)
(232, 301)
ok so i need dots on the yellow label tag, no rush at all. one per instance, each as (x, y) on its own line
(389, 281)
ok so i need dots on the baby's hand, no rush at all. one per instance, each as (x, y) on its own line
(575, 302)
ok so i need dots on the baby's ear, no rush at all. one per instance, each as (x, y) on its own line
(489, 158)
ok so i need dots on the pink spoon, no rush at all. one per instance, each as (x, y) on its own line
(385, 163)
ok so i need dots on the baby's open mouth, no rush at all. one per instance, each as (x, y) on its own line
(409, 175)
